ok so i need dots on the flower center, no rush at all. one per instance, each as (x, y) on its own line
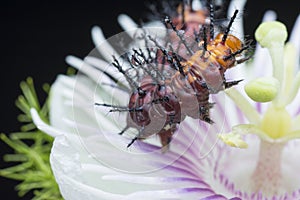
(276, 122)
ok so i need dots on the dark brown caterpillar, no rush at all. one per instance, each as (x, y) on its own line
(159, 102)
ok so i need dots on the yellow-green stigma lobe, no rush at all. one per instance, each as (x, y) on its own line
(269, 33)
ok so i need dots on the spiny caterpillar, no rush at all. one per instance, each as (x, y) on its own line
(188, 66)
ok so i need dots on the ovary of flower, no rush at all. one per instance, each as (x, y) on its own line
(276, 122)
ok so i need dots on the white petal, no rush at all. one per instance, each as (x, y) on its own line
(269, 15)
(262, 63)
(84, 67)
(197, 5)
(155, 28)
(60, 92)
(109, 69)
(102, 44)
(240, 70)
(73, 163)
(42, 125)
(295, 38)
(237, 26)
(73, 99)
(66, 165)
(127, 24)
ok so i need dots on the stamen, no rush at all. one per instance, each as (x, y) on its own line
(294, 89)
(263, 89)
(291, 82)
(289, 65)
(243, 129)
(296, 123)
(233, 140)
(272, 35)
(278, 69)
(248, 110)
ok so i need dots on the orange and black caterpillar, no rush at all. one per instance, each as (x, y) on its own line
(181, 72)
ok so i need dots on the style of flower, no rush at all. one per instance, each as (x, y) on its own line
(90, 161)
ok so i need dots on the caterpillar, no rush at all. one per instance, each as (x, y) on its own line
(189, 66)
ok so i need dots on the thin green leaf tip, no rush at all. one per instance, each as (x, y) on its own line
(31, 149)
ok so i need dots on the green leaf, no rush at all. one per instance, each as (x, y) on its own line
(31, 149)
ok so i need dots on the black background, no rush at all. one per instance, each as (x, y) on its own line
(37, 36)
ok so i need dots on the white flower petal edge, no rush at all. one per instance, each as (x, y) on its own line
(295, 38)
(133, 29)
(79, 173)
